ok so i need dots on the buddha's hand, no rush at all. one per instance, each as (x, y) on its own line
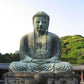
(27, 59)
(52, 60)
(39, 60)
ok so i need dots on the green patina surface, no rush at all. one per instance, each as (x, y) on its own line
(40, 51)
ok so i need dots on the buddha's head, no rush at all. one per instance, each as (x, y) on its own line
(41, 22)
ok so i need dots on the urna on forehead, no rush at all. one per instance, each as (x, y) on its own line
(41, 13)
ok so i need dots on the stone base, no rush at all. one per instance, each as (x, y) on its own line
(39, 78)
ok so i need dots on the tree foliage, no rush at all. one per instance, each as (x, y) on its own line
(73, 49)
(9, 57)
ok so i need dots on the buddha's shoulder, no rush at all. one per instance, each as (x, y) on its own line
(52, 35)
(27, 35)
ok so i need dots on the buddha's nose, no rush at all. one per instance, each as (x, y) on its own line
(40, 23)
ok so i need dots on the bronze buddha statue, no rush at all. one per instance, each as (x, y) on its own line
(40, 51)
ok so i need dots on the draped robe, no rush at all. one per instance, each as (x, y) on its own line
(49, 61)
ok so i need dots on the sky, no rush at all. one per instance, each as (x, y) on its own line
(66, 18)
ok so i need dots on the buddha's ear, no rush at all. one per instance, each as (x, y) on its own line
(47, 30)
(48, 24)
(33, 23)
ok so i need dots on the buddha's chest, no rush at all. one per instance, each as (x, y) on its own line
(40, 44)
(39, 47)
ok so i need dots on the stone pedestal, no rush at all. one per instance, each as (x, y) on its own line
(40, 78)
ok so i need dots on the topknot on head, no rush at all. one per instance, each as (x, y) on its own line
(41, 13)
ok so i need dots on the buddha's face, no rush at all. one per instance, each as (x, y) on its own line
(40, 24)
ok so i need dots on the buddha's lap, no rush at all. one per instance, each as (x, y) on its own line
(49, 65)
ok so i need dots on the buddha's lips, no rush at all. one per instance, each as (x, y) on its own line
(41, 28)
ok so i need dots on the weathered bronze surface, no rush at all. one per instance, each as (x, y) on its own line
(40, 51)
